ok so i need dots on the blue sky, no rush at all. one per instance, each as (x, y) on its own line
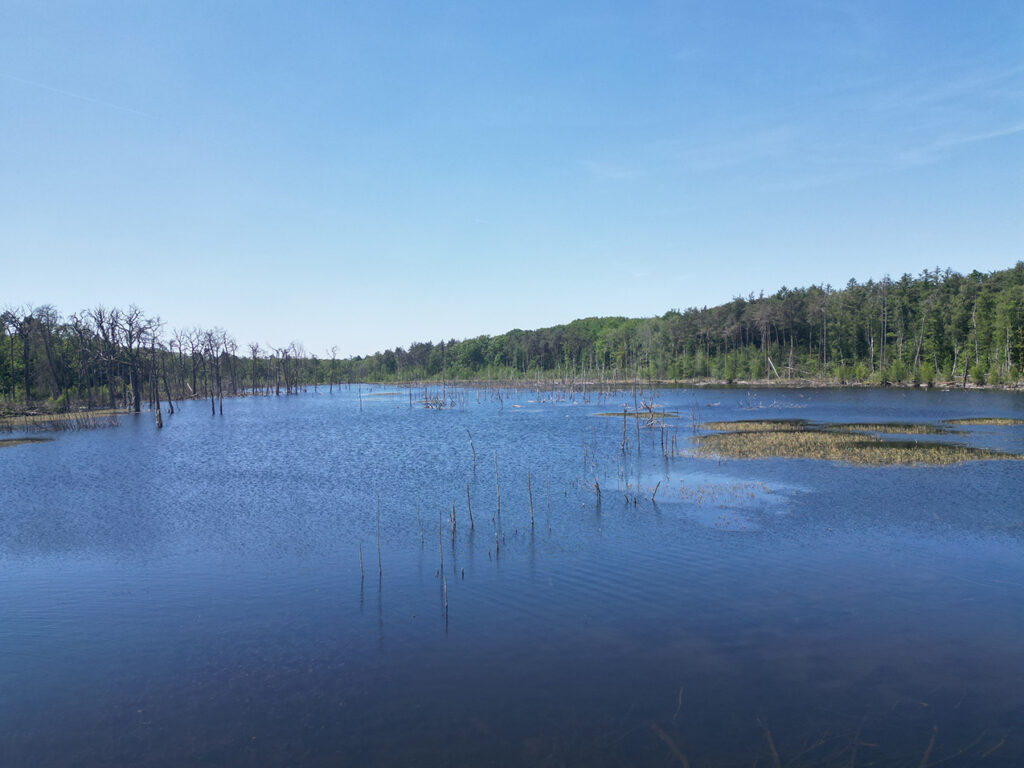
(370, 174)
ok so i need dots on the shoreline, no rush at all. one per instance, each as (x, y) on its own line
(579, 384)
(41, 412)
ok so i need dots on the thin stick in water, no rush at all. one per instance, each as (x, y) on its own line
(497, 487)
(444, 587)
(931, 744)
(380, 563)
(472, 447)
(670, 742)
(776, 762)
(529, 492)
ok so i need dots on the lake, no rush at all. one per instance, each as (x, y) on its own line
(213, 593)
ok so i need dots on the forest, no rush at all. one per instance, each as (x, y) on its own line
(940, 327)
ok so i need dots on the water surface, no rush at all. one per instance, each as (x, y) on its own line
(194, 596)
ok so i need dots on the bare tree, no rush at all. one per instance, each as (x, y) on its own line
(134, 330)
(213, 346)
(178, 342)
(229, 352)
(254, 350)
(334, 358)
(194, 339)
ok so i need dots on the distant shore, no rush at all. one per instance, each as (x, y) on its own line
(44, 411)
(803, 383)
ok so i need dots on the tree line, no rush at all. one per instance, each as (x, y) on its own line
(124, 358)
(937, 326)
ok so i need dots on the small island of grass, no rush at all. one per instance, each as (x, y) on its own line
(842, 443)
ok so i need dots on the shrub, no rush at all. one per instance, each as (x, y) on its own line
(978, 373)
(898, 371)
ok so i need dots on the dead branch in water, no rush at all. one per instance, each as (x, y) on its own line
(670, 742)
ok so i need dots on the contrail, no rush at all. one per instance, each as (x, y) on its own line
(78, 96)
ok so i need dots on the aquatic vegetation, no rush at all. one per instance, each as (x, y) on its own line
(756, 425)
(892, 428)
(986, 421)
(823, 443)
(8, 442)
(60, 422)
(723, 493)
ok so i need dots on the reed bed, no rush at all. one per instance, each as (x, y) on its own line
(60, 422)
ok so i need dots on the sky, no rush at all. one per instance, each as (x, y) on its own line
(369, 174)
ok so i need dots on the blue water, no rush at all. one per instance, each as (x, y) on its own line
(193, 596)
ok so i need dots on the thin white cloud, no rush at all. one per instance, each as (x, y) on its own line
(757, 146)
(72, 95)
(875, 126)
(939, 149)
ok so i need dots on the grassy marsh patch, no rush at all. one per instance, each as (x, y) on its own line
(890, 428)
(838, 446)
(756, 425)
(994, 421)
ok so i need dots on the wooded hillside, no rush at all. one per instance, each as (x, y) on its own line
(940, 325)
